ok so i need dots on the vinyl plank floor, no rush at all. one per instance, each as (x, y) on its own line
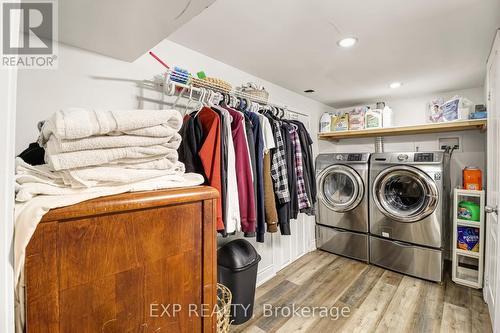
(372, 300)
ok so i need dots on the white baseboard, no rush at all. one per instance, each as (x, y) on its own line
(265, 275)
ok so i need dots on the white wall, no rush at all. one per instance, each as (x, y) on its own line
(90, 80)
(412, 111)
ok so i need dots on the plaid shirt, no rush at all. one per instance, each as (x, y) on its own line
(279, 171)
(301, 185)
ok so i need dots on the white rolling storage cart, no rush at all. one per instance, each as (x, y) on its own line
(468, 237)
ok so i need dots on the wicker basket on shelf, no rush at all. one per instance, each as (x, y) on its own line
(219, 83)
(224, 298)
(254, 90)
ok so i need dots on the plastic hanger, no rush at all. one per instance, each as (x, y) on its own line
(203, 96)
(200, 98)
(256, 107)
(274, 110)
(219, 98)
(248, 104)
(178, 98)
(210, 98)
(243, 104)
(224, 100)
(201, 105)
(190, 100)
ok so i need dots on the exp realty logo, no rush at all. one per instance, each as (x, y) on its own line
(29, 34)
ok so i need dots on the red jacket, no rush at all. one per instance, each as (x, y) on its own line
(210, 154)
(243, 173)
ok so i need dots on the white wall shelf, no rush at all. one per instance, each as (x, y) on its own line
(452, 126)
(467, 266)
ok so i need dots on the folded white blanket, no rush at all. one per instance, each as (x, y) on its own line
(29, 191)
(76, 123)
(108, 175)
(28, 215)
(84, 158)
(56, 145)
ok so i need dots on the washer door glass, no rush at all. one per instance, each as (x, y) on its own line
(405, 194)
(341, 188)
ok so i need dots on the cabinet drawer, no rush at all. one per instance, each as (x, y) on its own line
(342, 242)
(406, 258)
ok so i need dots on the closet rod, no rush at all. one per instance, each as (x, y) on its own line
(213, 86)
(198, 83)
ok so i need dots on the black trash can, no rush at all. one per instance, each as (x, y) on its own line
(237, 263)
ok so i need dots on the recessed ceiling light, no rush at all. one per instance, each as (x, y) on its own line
(309, 91)
(347, 42)
(395, 85)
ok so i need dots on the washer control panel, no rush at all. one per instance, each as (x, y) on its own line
(424, 157)
(402, 157)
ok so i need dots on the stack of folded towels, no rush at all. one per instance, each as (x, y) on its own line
(85, 149)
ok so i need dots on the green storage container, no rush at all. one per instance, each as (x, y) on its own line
(468, 210)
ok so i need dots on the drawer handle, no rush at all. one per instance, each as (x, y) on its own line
(402, 244)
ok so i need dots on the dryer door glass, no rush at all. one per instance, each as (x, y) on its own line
(405, 194)
(341, 188)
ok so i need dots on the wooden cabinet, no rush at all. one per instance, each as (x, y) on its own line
(134, 262)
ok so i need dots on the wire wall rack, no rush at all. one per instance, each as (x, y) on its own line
(173, 82)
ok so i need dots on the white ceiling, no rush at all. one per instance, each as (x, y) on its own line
(123, 29)
(429, 45)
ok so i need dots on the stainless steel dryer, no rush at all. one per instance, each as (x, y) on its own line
(342, 211)
(407, 213)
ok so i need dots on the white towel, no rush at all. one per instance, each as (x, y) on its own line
(43, 171)
(29, 191)
(76, 123)
(84, 158)
(107, 175)
(56, 145)
(28, 215)
(164, 163)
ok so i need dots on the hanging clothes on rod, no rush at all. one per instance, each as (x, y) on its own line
(260, 162)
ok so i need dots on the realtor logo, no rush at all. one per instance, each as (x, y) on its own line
(29, 34)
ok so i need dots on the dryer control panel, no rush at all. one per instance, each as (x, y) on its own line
(355, 157)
